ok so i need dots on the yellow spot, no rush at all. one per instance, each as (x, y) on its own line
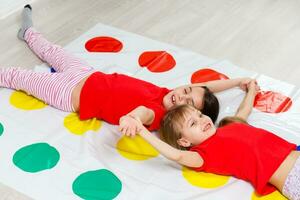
(24, 101)
(79, 127)
(272, 196)
(204, 180)
(135, 148)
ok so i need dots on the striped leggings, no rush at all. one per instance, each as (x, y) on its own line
(54, 89)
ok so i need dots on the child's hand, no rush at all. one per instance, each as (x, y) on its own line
(244, 83)
(129, 126)
(253, 87)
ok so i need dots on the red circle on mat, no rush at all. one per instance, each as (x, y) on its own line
(272, 102)
(204, 75)
(103, 44)
(157, 61)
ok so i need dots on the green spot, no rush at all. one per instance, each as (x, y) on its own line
(36, 157)
(1, 129)
(100, 184)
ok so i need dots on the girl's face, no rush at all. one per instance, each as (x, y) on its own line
(184, 95)
(196, 128)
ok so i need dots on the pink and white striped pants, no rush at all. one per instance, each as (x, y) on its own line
(54, 89)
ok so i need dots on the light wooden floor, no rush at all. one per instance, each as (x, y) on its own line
(259, 35)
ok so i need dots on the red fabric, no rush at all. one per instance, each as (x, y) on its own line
(110, 96)
(272, 102)
(246, 152)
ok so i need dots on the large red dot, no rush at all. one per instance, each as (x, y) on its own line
(272, 102)
(103, 44)
(157, 61)
(204, 75)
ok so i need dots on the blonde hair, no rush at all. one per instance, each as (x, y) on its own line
(172, 124)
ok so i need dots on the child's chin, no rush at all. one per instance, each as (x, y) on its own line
(168, 105)
(172, 106)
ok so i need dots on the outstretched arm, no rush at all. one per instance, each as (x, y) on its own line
(221, 85)
(186, 158)
(246, 106)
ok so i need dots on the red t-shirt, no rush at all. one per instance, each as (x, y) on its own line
(110, 96)
(246, 152)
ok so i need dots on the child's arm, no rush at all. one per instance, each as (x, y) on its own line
(221, 85)
(186, 158)
(246, 106)
(127, 123)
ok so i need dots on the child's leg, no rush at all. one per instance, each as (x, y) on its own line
(291, 188)
(54, 55)
(54, 89)
(26, 21)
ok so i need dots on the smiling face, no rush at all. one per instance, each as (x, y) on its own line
(184, 95)
(196, 128)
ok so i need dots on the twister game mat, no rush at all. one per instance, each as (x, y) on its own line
(49, 154)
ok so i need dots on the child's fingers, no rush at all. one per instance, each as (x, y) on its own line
(257, 87)
(243, 86)
(132, 135)
(129, 129)
(136, 129)
(124, 131)
(132, 132)
(251, 84)
(121, 129)
(127, 133)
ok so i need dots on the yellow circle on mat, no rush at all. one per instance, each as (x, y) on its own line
(24, 101)
(135, 148)
(204, 180)
(272, 196)
(79, 127)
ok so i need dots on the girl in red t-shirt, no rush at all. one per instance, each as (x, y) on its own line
(77, 87)
(235, 148)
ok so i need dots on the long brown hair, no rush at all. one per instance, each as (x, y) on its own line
(210, 104)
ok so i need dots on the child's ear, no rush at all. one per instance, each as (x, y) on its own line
(184, 142)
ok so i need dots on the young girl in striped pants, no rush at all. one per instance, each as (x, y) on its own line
(115, 98)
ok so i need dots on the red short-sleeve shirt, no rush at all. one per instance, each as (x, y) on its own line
(110, 96)
(246, 152)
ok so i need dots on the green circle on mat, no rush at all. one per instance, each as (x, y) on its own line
(1, 129)
(36, 157)
(99, 184)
